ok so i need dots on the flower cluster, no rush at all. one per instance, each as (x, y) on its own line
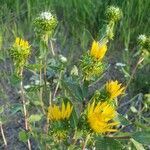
(100, 115)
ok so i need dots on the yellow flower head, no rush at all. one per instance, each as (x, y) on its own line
(100, 117)
(55, 113)
(98, 50)
(114, 89)
(20, 43)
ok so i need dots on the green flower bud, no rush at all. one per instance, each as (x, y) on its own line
(113, 13)
(45, 24)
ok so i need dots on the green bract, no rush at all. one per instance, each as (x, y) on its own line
(90, 67)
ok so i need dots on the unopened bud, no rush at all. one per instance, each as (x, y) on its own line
(113, 13)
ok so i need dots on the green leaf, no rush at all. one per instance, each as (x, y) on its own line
(141, 125)
(85, 88)
(1, 109)
(105, 143)
(74, 119)
(34, 88)
(137, 145)
(15, 108)
(73, 88)
(37, 103)
(142, 137)
(34, 67)
(35, 118)
(3, 119)
(15, 80)
(123, 120)
(23, 136)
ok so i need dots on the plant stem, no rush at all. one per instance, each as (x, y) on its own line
(41, 88)
(57, 85)
(134, 71)
(24, 107)
(121, 137)
(3, 136)
(52, 49)
(86, 140)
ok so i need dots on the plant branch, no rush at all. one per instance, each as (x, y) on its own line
(57, 85)
(24, 107)
(85, 143)
(134, 71)
(120, 137)
(3, 135)
(52, 49)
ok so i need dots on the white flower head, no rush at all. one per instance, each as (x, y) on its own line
(62, 58)
(46, 15)
(27, 86)
(142, 37)
(120, 64)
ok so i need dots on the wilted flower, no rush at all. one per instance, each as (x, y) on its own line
(55, 113)
(113, 13)
(100, 117)
(98, 50)
(114, 89)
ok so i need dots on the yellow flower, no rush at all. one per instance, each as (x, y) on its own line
(55, 113)
(100, 117)
(20, 43)
(114, 89)
(98, 50)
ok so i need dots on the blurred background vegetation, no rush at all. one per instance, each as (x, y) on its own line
(81, 21)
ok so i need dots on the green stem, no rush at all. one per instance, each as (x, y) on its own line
(134, 71)
(121, 137)
(52, 49)
(86, 140)
(41, 88)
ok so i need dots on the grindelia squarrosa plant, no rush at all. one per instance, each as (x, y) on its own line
(59, 112)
